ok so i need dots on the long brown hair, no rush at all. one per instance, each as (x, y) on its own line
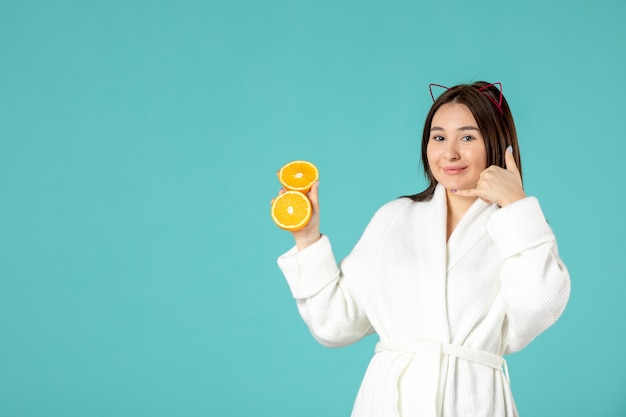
(496, 125)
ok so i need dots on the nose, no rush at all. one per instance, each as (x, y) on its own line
(451, 152)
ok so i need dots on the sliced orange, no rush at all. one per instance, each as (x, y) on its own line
(298, 176)
(291, 210)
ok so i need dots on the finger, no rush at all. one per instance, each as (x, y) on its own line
(473, 192)
(470, 192)
(280, 192)
(509, 160)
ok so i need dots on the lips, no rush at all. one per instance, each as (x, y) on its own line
(453, 170)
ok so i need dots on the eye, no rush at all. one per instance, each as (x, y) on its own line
(467, 138)
(437, 138)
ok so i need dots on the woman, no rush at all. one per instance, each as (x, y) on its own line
(451, 279)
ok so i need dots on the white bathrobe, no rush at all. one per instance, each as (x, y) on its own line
(445, 312)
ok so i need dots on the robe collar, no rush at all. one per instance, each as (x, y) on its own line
(471, 227)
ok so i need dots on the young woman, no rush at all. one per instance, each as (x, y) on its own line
(451, 279)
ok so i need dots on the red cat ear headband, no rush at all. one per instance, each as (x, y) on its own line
(482, 89)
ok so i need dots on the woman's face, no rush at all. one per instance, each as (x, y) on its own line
(456, 150)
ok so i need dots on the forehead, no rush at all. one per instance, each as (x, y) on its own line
(453, 115)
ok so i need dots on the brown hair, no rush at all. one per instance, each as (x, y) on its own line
(496, 125)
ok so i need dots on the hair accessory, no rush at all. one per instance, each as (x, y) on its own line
(499, 102)
(430, 87)
(482, 89)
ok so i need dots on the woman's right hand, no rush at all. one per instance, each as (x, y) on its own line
(310, 233)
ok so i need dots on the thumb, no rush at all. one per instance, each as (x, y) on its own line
(509, 160)
(313, 196)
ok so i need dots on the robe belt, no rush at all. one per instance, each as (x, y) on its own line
(425, 395)
(469, 354)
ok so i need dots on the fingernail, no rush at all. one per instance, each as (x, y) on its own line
(509, 149)
(454, 191)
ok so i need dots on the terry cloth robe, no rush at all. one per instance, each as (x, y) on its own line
(445, 312)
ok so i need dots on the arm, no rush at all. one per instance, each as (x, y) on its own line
(325, 301)
(535, 284)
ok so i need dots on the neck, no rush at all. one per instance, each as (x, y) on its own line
(456, 208)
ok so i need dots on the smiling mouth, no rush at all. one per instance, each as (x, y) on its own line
(453, 170)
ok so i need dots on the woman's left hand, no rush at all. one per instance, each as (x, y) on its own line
(498, 185)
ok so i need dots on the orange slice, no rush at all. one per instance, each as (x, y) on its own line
(291, 210)
(298, 176)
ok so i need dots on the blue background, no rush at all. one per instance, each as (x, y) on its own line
(138, 146)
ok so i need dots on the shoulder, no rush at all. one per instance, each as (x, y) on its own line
(395, 207)
(394, 211)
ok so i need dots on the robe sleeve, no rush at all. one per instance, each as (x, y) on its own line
(535, 284)
(331, 297)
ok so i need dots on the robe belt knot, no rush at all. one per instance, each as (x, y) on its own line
(421, 390)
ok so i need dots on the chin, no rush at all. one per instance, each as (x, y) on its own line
(454, 186)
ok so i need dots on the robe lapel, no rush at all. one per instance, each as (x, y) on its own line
(470, 229)
(432, 268)
(422, 387)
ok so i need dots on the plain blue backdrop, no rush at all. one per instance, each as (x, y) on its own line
(138, 146)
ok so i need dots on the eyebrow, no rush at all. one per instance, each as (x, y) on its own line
(459, 129)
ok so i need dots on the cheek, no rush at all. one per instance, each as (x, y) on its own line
(479, 158)
(483, 159)
(481, 162)
(431, 153)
